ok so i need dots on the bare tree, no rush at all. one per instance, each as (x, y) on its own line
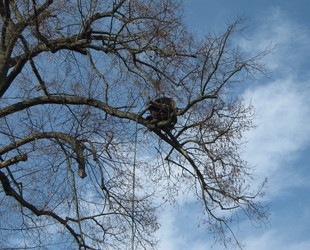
(75, 80)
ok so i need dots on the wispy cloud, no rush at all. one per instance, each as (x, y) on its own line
(273, 239)
(288, 39)
(282, 103)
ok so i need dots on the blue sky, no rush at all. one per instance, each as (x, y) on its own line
(279, 147)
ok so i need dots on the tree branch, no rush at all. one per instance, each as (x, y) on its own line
(13, 160)
(76, 145)
(11, 192)
(73, 100)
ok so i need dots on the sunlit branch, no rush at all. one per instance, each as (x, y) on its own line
(13, 160)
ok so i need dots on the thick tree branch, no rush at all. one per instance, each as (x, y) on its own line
(13, 160)
(72, 100)
(76, 145)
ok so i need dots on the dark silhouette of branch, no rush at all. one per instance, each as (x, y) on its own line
(11, 192)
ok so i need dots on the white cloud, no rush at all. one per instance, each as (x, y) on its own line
(288, 40)
(180, 230)
(283, 115)
(282, 105)
(283, 118)
(273, 239)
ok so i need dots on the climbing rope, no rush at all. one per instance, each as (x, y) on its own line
(133, 229)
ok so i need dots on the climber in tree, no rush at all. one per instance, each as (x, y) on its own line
(163, 109)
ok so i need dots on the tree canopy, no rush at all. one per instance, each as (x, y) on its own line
(80, 163)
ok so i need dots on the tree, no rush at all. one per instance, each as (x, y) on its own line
(76, 77)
